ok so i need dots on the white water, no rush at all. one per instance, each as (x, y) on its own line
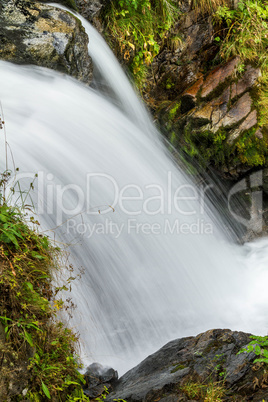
(145, 286)
(111, 76)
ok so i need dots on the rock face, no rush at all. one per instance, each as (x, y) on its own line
(216, 115)
(209, 112)
(209, 358)
(34, 33)
(179, 62)
(232, 107)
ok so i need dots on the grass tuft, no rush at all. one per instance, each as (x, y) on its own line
(34, 341)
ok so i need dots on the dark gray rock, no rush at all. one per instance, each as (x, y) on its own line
(208, 357)
(98, 378)
(91, 9)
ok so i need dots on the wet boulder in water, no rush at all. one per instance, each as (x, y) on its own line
(98, 379)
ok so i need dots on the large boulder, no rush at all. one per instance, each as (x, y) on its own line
(196, 365)
(35, 33)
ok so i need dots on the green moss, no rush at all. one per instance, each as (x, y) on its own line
(169, 83)
(173, 110)
(173, 138)
(206, 391)
(178, 367)
(250, 149)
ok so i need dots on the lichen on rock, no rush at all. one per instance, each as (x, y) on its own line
(35, 33)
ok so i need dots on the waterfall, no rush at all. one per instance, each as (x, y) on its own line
(157, 262)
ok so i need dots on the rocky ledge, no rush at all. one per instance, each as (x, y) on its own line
(35, 33)
(206, 367)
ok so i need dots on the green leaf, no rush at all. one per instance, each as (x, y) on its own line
(45, 390)
(28, 338)
(257, 350)
(29, 285)
(265, 353)
(37, 357)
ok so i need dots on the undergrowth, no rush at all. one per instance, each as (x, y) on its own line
(36, 349)
(139, 28)
(212, 148)
(208, 6)
(210, 392)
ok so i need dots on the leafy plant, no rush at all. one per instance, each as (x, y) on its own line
(139, 28)
(28, 263)
(259, 346)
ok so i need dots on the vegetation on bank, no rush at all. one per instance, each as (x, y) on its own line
(139, 27)
(242, 32)
(38, 359)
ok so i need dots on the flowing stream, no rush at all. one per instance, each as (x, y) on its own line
(157, 258)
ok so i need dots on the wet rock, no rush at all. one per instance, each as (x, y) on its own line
(236, 113)
(194, 89)
(218, 76)
(98, 379)
(209, 356)
(249, 122)
(35, 33)
(259, 134)
(91, 9)
(247, 81)
(214, 123)
(218, 114)
(180, 63)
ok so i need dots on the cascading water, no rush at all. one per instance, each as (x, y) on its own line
(158, 264)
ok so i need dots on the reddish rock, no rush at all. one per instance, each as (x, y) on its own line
(216, 109)
(246, 82)
(218, 115)
(205, 112)
(217, 76)
(193, 89)
(250, 121)
(239, 111)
